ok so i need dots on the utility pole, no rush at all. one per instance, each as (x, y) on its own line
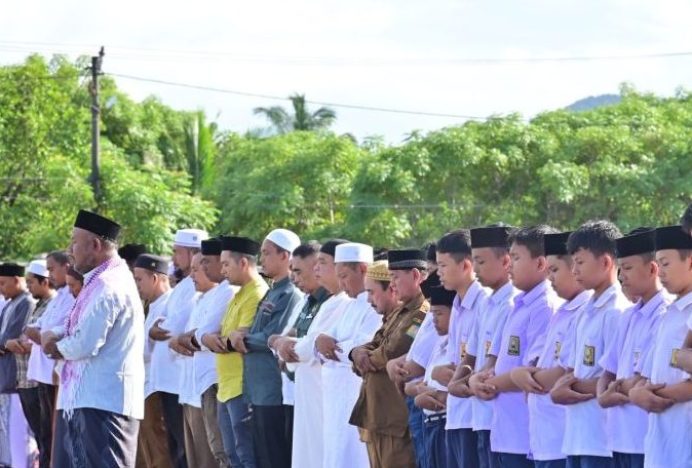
(95, 177)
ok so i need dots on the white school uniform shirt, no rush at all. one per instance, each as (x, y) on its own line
(462, 322)
(585, 422)
(424, 342)
(634, 341)
(485, 341)
(110, 338)
(155, 309)
(438, 357)
(287, 385)
(668, 441)
(165, 367)
(199, 370)
(342, 446)
(547, 419)
(309, 421)
(40, 367)
(525, 326)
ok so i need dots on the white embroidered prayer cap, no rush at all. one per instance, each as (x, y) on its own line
(38, 267)
(287, 240)
(353, 252)
(190, 238)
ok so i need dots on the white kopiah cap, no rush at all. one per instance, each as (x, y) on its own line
(287, 240)
(353, 252)
(38, 267)
(190, 238)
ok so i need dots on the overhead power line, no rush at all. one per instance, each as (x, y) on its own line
(138, 53)
(284, 98)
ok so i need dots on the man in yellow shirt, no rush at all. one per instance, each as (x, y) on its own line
(239, 266)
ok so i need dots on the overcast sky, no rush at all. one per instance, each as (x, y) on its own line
(400, 54)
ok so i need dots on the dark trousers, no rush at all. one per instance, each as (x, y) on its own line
(561, 463)
(435, 444)
(46, 401)
(587, 461)
(95, 438)
(31, 406)
(486, 457)
(462, 448)
(628, 460)
(415, 425)
(288, 425)
(513, 460)
(173, 416)
(268, 433)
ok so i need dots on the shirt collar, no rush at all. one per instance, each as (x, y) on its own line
(527, 298)
(651, 306)
(470, 297)
(683, 302)
(577, 301)
(415, 303)
(319, 295)
(362, 297)
(281, 283)
(603, 299)
(502, 294)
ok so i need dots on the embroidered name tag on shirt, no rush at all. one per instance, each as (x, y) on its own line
(589, 355)
(674, 357)
(514, 348)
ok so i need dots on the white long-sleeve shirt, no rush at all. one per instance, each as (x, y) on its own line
(199, 370)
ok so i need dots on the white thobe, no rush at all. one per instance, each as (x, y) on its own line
(308, 416)
(341, 386)
(165, 367)
(155, 309)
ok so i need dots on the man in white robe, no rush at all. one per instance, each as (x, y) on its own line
(340, 385)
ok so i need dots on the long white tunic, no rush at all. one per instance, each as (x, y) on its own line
(155, 310)
(199, 370)
(40, 367)
(341, 386)
(165, 367)
(308, 417)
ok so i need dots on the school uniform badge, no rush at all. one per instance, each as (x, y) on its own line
(514, 348)
(589, 355)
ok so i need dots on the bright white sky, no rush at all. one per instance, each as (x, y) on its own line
(394, 53)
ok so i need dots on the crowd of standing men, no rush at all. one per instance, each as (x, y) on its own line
(492, 347)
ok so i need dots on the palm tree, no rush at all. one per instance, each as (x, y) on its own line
(302, 119)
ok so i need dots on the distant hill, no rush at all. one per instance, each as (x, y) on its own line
(592, 102)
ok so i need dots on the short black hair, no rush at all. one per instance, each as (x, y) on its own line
(75, 274)
(430, 251)
(251, 259)
(531, 237)
(457, 244)
(60, 257)
(598, 237)
(686, 219)
(307, 249)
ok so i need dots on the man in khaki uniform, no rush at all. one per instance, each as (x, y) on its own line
(381, 411)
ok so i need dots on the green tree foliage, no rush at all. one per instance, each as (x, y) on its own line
(45, 161)
(300, 180)
(630, 162)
